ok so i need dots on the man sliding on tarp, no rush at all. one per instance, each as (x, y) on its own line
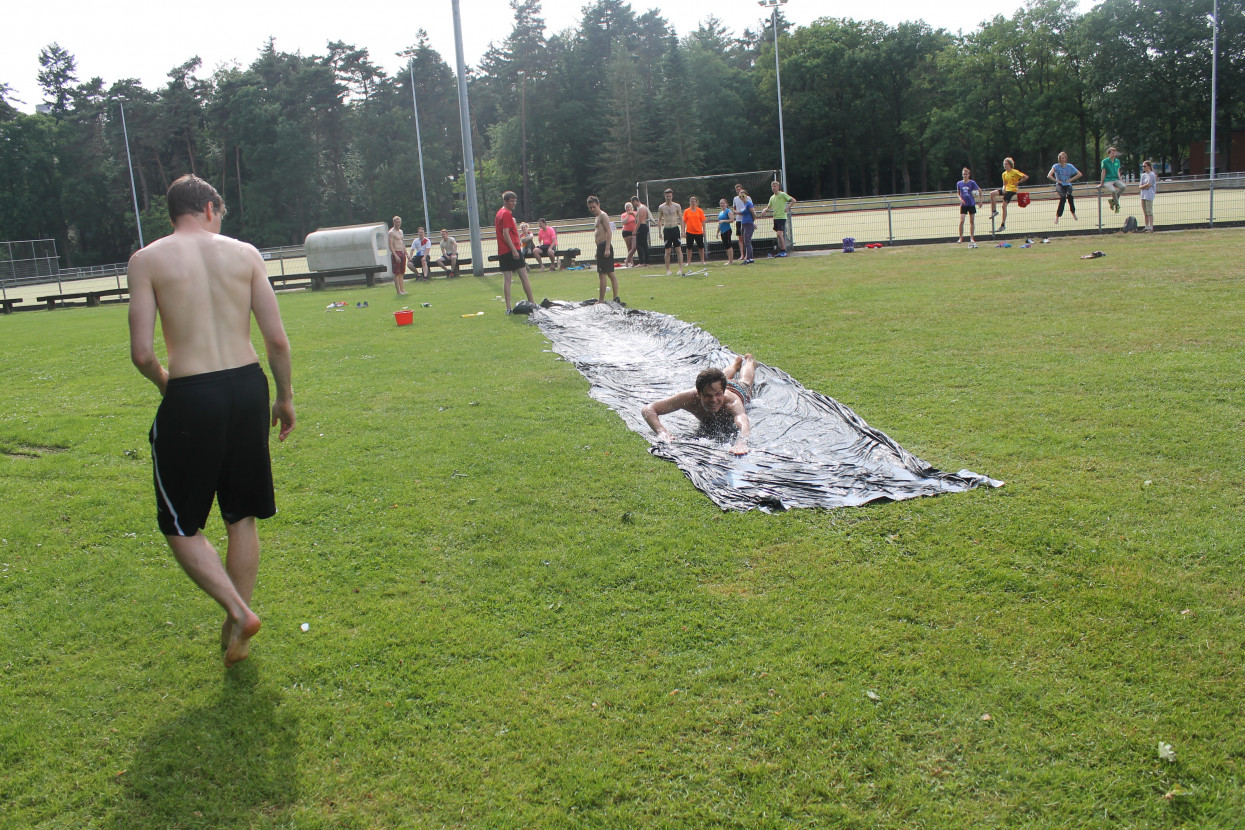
(717, 401)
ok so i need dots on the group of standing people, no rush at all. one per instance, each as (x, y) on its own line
(683, 230)
(1062, 174)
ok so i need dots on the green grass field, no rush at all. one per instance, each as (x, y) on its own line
(518, 618)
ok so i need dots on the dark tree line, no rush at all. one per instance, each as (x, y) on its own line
(297, 142)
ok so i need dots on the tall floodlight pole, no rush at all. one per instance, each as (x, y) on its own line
(1214, 97)
(464, 118)
(782, 142)
(138, 219)
(423, 182)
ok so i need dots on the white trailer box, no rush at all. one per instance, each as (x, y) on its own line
(352, 246)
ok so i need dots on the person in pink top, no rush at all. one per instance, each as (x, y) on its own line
(509, 252)
(628, 232)
(547, 238)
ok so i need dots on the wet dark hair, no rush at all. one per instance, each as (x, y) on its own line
(190, 195)
(708, 377)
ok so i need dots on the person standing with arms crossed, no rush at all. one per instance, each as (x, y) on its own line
(670, 220)
(1012, 180)
(737, 205)
(509, 252)
(397, 255)
(209, 438)
(1063, 175)
(603, 233)
(778, 204)
(694, 223)
(1110, 178)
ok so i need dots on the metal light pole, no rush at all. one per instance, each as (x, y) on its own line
(138, 218)
(1214, 96)
(464, 118)
(423, 182)
(782, 143)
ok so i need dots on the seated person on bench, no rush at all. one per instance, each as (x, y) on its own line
(718, 402)
(548, 239)
(449, 254)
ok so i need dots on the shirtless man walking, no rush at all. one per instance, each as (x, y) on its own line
(603, 232)
(670, 220)
(717, 401)
(210, 435)
(397, 255)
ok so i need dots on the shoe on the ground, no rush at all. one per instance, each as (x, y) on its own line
(972, 244)
(782, 253)
(620, 302)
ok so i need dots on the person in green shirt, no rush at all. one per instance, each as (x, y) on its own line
(778, 204)
(1110, 178)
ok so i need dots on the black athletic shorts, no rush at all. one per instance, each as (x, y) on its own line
(968, 210)
(671, 237)
(210, 438)
(507, 261)
(780, 225)
(1008, 195)
(628, 234)
(725, 236)
(695, 240)
(605, 258)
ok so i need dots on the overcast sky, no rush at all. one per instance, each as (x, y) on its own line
(144, 40)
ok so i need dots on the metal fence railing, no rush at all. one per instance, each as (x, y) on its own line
(1181, 202)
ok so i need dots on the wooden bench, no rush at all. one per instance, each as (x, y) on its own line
(9, 303)
(92, 297)
(567, 257)
(367, 272)
(290, 282)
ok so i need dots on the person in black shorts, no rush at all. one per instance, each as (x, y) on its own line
(603, 233)
(209, 438)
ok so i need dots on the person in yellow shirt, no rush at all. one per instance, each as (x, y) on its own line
(1012, 180)
(694, 222)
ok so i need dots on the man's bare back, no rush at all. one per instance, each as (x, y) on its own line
(205, 287)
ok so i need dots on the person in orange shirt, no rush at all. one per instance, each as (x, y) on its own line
(694, 222)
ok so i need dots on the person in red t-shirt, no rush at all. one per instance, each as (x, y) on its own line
(509, 253)
(694, 221)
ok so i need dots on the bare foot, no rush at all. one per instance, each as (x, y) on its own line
(240, 640)
(226, 628)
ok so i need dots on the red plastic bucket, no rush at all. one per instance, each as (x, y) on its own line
(404, 318)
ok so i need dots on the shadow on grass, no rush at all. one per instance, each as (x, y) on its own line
(218, 765)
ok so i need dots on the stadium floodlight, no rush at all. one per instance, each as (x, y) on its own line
(782, 143)
(1214, 94)
(419, 143)
(138, 217)
(464, 120)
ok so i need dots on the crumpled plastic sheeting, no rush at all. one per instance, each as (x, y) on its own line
(805, 450)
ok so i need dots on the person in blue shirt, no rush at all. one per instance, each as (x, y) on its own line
(724, 230)
(747, 222)
(968, 191)
(1063, 175)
